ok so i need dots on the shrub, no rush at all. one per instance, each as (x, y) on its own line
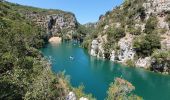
(151, 25)
(145, 45)
(160, 61)
(135, 31)
(114, 34)
(121, 90)
(79, 93)
(86, 44)
(130, 63)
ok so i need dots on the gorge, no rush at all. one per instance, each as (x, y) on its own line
(133, 35)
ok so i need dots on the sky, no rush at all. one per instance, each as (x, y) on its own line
(84, 10)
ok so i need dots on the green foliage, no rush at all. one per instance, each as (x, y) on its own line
(121, 90)
(145, 45)
(79, 93)
(151, 25)
(24, 74)
(114, 34)
(86, 44)
(161, 61)
(130, 63)
(134, 31)
(83, 30)
(107, 49)
(132, 8)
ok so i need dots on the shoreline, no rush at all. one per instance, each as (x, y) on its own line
(55, 40)
(117, 62)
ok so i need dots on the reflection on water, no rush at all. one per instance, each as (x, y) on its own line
(97, 74)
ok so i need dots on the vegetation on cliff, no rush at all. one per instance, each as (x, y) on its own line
(24, 72)
(121, 90)
(134, 32)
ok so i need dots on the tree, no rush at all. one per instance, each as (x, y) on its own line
(121, 90)
(145, 45)
(114, 34)
(151, 25)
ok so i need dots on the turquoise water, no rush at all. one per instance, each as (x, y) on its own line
(96, 74)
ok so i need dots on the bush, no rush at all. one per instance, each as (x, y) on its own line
(86, 44)
(114, 34)
(160, 61)
(135, 31)
(121, 90)
(151, 25)
(79, 93)
(145, 45)
(130, 63)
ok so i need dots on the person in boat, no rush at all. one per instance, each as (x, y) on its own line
(71, 57)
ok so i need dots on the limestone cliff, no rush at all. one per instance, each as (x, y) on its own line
(53, 21)
(122, 32)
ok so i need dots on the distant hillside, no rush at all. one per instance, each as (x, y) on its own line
(136, 33)
(55, 22)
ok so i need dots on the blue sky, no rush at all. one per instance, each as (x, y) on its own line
(85, 10)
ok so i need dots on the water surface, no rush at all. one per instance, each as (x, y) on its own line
(96, 74)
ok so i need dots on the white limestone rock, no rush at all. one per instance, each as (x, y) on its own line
(112, 56)
(106, 26)
(143, 62)
(156, 6)
(82, 98)
(126, 51)
(100, 51)
(94, 48)
(71, 96)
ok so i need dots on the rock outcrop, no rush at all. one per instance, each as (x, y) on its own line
(97, 47)
(126, 51)
(55, 22)
(71, 96)
(143, 62)
(157, 6)
(94, 47)
(82, 98)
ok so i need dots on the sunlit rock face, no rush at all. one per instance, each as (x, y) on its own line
(97, 47)
(157, 6)
(82, 98)
(143, 62)
(71, 96)
(126, 51)
(94, 47)
(112, 56)
(54, 21)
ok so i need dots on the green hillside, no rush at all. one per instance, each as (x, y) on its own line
(24, 72)
(132, 34)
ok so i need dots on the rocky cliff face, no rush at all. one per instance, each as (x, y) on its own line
(53, 21)
(97, 47)
(126, 51)
(132, 16)
(157, 6)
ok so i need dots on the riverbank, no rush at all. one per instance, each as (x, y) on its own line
(55, 40)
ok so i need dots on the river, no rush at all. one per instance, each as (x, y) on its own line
(96, 74)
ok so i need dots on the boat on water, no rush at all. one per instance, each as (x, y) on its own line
(71, 58)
